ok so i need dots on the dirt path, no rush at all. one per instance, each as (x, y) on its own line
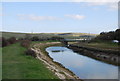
(57, 68)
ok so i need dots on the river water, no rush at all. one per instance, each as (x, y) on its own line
(83, 66)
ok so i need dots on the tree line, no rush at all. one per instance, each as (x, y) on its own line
(108, 36)
(12, 40)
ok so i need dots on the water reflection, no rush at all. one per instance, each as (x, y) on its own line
(82, 66)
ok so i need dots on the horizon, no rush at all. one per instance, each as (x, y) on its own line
(48, 32)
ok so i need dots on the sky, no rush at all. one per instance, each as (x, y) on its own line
(45, 17)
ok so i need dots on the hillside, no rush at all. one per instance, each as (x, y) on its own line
(46, 35)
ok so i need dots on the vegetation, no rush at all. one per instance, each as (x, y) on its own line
(35, 38)
(31, 53)
(108, 36)
(44, 35)
(16, 65)
(6, 42)
(12, 40)
(117, 35)
(25, 43)
(100, 45)
(104, 41)
(56, 38)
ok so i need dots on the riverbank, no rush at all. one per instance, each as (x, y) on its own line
(59, 70)
(101, 51)
(109, 46)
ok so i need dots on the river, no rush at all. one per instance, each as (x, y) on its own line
(83, 66)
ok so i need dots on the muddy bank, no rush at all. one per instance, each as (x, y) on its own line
(59, 70)
(111, 57)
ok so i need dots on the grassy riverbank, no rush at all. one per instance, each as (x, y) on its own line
(100, 45)
(16, 65)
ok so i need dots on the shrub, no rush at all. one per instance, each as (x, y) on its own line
(25, 43)
(12, 40)
(27, 37)
(4, 42)
(35, 38)
(20, 39)
(31, 53)
(57, 38)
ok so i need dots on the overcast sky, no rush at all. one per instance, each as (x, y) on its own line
(85, 17)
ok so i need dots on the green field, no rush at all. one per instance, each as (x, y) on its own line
(16, 65)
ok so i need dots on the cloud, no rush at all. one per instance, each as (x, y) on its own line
(113, 6)
(36, 17)
(77, 16)
(41, 18)
(109, 5)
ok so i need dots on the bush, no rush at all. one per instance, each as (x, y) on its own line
(12, 40)
(31, 53)
(25, 43)
(4, 42)
(20, 39)
(57, 38)
(27, 37)
(35, 38)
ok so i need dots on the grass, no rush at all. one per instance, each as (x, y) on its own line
(104, 45)
(16, 65)
(34, 42)
(101, 45)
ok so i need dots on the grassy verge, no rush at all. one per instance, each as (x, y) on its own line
(16, 65)
(101, 45)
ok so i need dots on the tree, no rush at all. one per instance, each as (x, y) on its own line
(103, 33)
(117, 35)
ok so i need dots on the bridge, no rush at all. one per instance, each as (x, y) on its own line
(65, 41)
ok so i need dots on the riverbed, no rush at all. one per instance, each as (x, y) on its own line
(83, 66)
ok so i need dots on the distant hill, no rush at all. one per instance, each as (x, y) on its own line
(65, 34)
(87, 36)
(46, 35)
